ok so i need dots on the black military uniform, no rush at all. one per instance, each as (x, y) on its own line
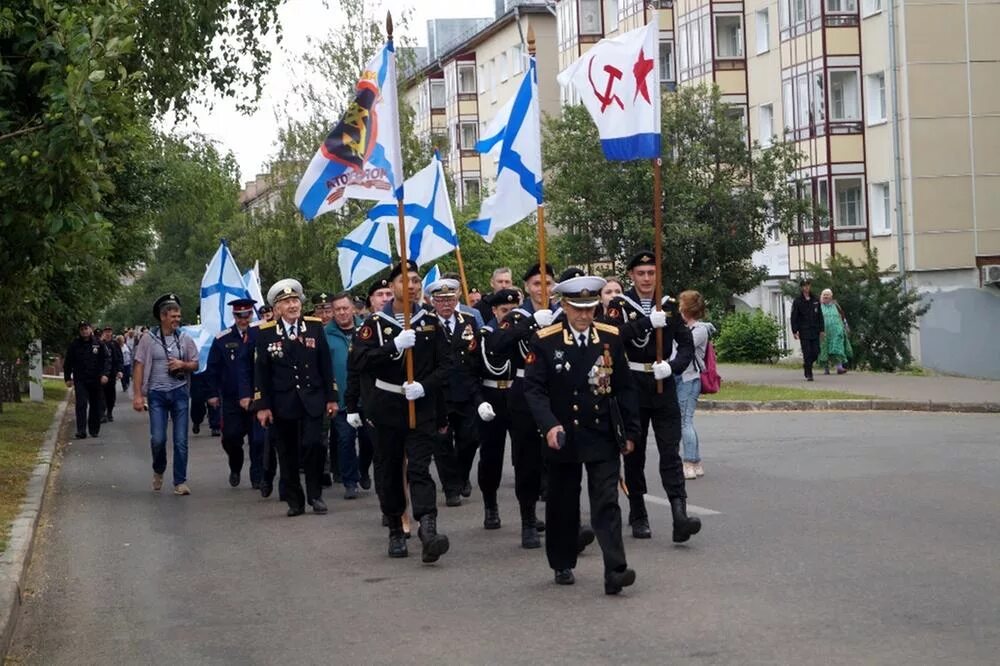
(573, 378)
(117, 366)
(333, 476)
(293, 376)
(382, 362)
(631, 315)
(807, 323)
(86, 362)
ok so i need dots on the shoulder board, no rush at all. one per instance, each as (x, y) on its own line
(222, 334)
(607, 328)
(550, 330)
(268, 324)
(316, 319)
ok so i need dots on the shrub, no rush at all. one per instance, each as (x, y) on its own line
(749, 337)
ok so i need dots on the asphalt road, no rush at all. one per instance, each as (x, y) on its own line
(839, 538)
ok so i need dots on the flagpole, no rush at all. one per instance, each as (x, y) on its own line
(405, 267)
(461, 272)
(541, 210)
(658, 251)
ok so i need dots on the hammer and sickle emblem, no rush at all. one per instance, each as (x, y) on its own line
(608, 98)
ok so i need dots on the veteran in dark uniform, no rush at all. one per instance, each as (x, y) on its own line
(636, 319)
(583, 399)
(294, 389)
(87, 369)
(380, 349)
(229, 378)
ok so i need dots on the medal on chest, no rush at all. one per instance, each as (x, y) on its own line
(599, 376)
(275, 350)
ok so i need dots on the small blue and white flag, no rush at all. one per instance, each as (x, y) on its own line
(203, 339)
(221, 283)
(516, 132)
(361, 157)
(430, 227)
(363, 253)
(618, 80)
(433, 275)
(251, 280)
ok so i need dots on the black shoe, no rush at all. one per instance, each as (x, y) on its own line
(95, 433)
(234, 479)
(540, 526)
(337, 479)
(640, 528)
(385, 520)
(397, 540)
(453, 500)
(111, 419)
(810, 379)
(584, 539)
(467, 490)
(684, 526)
(614, 581)
(196, 428)
(351, 492)
(295, 511)
(266, 489)
(366, 482)
(318, 505)
(529, 537)
(565, 577)
(80, 435)
(491, 521)
(104, 419)
(216, 432)
(255, 485)
(326, 481)
(435, 545)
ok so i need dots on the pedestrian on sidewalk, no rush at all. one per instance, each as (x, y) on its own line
(164, 359)
(344, 442)
(126, 350)
(86, 368)
(692, 309)
(117, 366)
(835, 347)
(807, 325)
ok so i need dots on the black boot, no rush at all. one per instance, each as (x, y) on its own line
(397, 541)
(435, 545)
(638, 519)
(529, 527)
(614, 581)
(584, 538)
(684, 526)
(491, 519)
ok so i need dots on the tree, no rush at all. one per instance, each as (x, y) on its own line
(719, 196)
(880, 311)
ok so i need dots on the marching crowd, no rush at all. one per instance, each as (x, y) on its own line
(365, 393)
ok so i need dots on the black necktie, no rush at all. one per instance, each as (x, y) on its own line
(447, 326)
(291, 332)
(583, 340)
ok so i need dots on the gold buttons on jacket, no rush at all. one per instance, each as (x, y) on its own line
(576, 408)
(575, 422)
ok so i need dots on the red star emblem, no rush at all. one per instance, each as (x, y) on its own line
(641, 69)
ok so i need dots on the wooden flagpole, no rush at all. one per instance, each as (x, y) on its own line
(461, 271)
(658, 252)
(541, 210)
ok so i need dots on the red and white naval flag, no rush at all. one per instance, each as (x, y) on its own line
(619, 82)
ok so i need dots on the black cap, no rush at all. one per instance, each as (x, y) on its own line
(165, 299)
(82, 324)
(321, 298)
(107, 327)
(397, 270)
(571, 272)
(804, 281)
(642, 258)
(266, 308)
(474, 290)
(381, 283)
(536, 269)
(504, 297)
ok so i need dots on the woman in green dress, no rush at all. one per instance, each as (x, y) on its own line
(834, 347)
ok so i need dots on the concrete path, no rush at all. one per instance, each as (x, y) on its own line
(890, 386)
(829, 538)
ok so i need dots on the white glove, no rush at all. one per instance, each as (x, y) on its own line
(662, 370)
(413, 390)
(543, 317)
(405, 339)
(486, 412)
(354, 420)
(658, 318)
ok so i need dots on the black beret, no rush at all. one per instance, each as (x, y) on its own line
(504, 297)
(397, 270)
(571, 272)
(536, 269)
(321, 298)
(643, 258)
(381, 283)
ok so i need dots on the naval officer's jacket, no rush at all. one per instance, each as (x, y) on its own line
(293, 378)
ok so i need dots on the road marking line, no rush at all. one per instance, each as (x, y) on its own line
(697, 510)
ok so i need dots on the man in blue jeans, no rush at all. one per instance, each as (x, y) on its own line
(339, 333)
(164, 359)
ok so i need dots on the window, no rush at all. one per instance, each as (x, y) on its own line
(849, 211)
(466, 79)
(842, 6)
(787, 105)
(469, 136)
(437, 94)
(738, 112)
(492, 69)
(666, 61)
(881, 211)
(470, 189)
(482, 79)
(822, 207)
(590, 17)
(766, 122)
(516, 60)
(729, 36)
(876, 98)
(763, 32)
(504, 68)
(845, 103)
(872, 7)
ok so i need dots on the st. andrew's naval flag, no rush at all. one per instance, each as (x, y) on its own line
(363, 253)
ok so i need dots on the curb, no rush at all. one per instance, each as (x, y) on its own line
(14, 561)
(849, 406)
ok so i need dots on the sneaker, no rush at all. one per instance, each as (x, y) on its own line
(182, 489)
(157, 481)
(698, 469)
(689, 471)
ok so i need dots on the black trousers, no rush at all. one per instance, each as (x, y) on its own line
(492, 442)
(199, 404)
(392, 443)
(110, 394)
(665, 417)
(238, 425)
(562, 513)
(455, 449)
(371, 436)
(89, 402)
(334, 447)
(299, 442)
(810, 352)
(366, 451)
(526, 451)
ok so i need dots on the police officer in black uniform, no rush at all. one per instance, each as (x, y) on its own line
(229, 378)
(582, 397)
(294, 389)
(807, 325)
(636, 319)
(380, 348)
(117, 365)
(87, 368)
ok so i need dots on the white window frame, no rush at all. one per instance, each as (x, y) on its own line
(504, 67)
(766, 129)
(466, 67)
(462, 126)
(466, 197)
(493, 80)
(732, 110)
(875, 88)
(763, 27)
(440, 85)
(481, 78)
(871, 7)
(729, 18)
(841, 6)
(516, 60)
(881, 209)
(844, 117)
(670, 75)
(838, 221)
(787, 106)
(594, 4)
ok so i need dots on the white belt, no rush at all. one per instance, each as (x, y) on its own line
(520, 372)
(391, 388)
(640, 367)
(498, 383)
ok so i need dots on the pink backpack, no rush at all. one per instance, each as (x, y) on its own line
(711, 382)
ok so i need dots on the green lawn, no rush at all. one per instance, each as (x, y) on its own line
(763, 393)
(22, 430)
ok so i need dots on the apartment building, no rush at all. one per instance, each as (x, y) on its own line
(909, 164)
(456, 93)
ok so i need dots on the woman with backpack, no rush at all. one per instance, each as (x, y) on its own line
(689, 384)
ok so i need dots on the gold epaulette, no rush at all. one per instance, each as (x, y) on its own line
(223, 333)
(550, 330)
(268, 324)
(607, 328)
(316, 319)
